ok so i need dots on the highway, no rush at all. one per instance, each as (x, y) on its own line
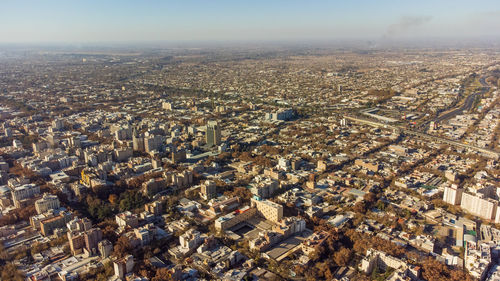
(486, 152)
(469, 101)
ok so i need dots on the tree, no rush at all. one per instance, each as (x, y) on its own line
(108, 230)
(10, 272)
(113, 198)
(38, 247)
(360, 207)
(131, 200)
(4, 255)
(370, 198)
(122, 247)
(343, 257)
(434, 270)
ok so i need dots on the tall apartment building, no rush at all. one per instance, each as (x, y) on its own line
(452, 195)
(137, 142)
(123, 266)
(76, 242)
(153, 142)
(92, 238)
(479, 205)
(178, 156)
(208, 190)
(123, 134)
(105, 248)
(213, 134)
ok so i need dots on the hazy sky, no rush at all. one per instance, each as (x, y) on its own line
(150, 20)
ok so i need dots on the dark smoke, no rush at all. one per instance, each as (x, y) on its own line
(405, 24)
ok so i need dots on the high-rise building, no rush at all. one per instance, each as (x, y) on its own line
(208, 190)
(105, 248)
(76, 242)
(213, 134)
(452, 195)
(479, 205)
(123, 266)
(92, 238)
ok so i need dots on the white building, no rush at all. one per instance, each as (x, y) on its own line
(478, 205)
(190, 240)
(23, 192)
(47, 202)
(452, 195)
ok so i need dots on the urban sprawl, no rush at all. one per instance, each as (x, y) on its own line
(250, 164)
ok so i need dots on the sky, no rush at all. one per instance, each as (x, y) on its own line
(245, 20)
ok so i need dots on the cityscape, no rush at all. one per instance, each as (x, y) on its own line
(258, 159)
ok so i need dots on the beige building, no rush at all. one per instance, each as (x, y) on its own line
(127, 219)
(268, 209)
(47, 226)
(208, 190)
(224, 222)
